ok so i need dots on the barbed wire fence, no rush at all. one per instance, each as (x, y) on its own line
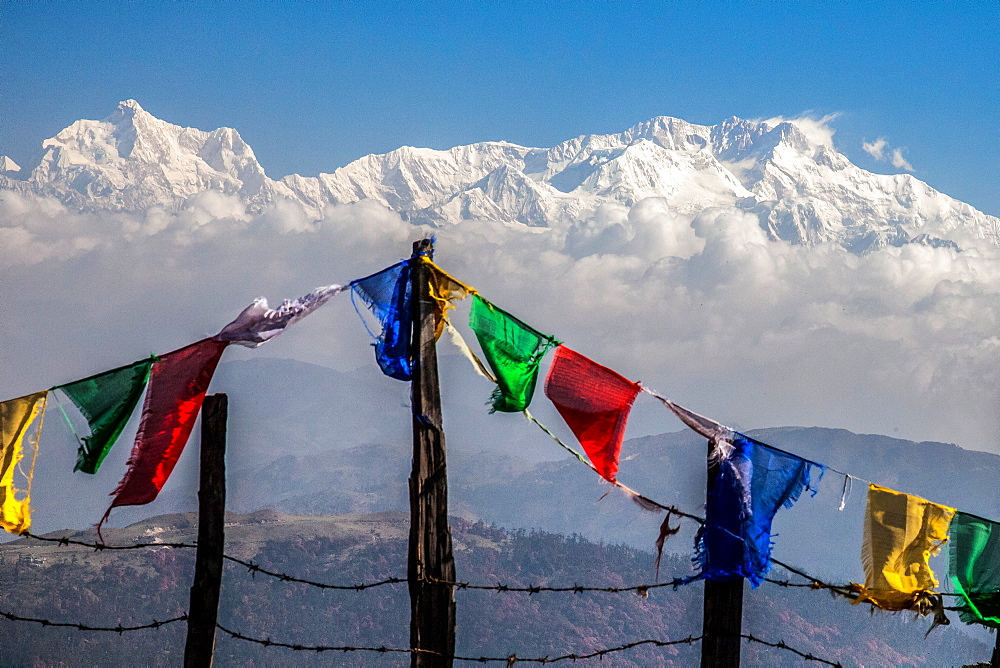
(254, 569)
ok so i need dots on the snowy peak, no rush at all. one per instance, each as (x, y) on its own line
(8, 165)
(787, 173)
(132, 160)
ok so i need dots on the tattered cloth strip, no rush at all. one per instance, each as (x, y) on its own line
(718, 435)
(463, 347)
(513, 350)
(16, 417)
(107, 400)
(754, 480)
(975, 568)
(259, 324)
(387, 294)
(444, 289)
(177, 387)
(595, 403)
(901, 533)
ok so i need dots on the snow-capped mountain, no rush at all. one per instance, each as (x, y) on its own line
(799, 186)
(8, 165)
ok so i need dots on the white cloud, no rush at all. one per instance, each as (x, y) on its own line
(899, 162)
(875, 149)
(817, 130)
(705, 308)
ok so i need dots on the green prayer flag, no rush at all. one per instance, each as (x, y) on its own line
(975, 568)
(107, 400)
(513, 350)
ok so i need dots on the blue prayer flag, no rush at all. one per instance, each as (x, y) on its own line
(753, 482)
(387, 294)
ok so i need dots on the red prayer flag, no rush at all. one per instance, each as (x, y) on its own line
(595, 402)
(177, 386)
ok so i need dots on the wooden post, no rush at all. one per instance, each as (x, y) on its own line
(204, 607)
(432, 606)
(722, 621)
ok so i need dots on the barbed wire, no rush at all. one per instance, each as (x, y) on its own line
(86, 627)
(103, 546)
(253, 569)
(781, 644)
(512, 659)
(576, 589)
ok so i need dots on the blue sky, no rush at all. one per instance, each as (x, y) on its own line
(312, 86)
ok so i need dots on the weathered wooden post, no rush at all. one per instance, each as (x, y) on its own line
(722, 621)
(204, 606)
(432, 605)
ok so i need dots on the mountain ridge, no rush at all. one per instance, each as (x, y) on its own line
(792, 178)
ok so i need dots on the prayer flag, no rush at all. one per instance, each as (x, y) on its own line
(754, 480)
(177, 387)
(443, 289)
(513, 350)
(595, 402)
(387, 294)
(107, 400)
(258, 324)
(901, 533)
(16, 417)
(975, 568)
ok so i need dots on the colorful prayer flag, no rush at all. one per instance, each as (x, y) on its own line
(975, 568)
(901, 533)
(16, 417)
(754, 480)
(387, 294)
(258, 324)
(107, 400)
(595, 402)
(177, 387)
(513, 350)
(443, 289)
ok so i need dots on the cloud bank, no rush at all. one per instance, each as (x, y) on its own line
(707, 310)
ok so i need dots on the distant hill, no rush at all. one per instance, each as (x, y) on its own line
(134, 587)
(495, 474)
(309, 440)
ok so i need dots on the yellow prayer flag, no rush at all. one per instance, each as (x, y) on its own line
(443, 289)
(16, 417)
(900, 535)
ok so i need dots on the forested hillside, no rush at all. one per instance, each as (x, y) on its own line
(77, 584)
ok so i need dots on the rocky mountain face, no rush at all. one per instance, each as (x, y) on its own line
(798, 185)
